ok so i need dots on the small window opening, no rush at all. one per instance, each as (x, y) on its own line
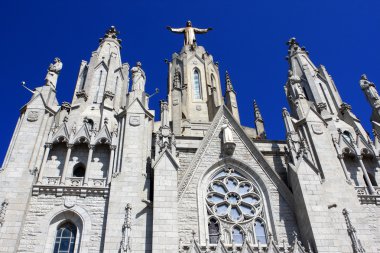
(79, 170)
(213, 231)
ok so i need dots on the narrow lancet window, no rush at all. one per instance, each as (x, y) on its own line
(116, 83)
(197, 85)
(101, 86)
(213, 231)
(237, 235)
(65, 238)
(260, 232)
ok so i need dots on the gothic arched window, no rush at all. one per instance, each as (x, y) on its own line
(100, 87)
(197, 84)
(260, 232)
(348, 137)
(234, 202)
(65, 238)
(213, 231)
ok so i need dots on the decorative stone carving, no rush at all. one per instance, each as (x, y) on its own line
(53, 72)
(228, 140)
(356, 244)
(134, 120)
(82, 94)
(109, 94)
(295, 81)
(69, 201)
(3, 209)
(138, 78)
(317, 128)
(125, 244)
(111, 34)
(65, 106)
(189, 32)
(370, 91)
(32, 116)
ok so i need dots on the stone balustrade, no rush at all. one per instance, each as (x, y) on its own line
(72, 185)
(365, 197)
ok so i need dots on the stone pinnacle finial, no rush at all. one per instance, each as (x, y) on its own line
(111, 33)
(257, 111)
(294, 47)
(229, 86)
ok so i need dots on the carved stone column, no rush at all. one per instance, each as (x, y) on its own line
(44, 160)
(66, 165)
(366, 177)
(110, 167)
(89, 159)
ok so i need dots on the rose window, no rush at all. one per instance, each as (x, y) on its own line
(232, 198)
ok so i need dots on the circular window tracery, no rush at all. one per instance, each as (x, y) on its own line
(232, 198)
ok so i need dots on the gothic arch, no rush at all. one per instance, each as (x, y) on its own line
(248, 172)
(197, 91)
(58, 216)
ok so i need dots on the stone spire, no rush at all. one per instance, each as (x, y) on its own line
(164, 136)
(259, 122)
(111, 33)
(230, 98)
(229, 86)
(309, 86)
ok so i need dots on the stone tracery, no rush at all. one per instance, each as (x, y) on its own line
(236, 203)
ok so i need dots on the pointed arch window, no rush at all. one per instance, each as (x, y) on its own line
(101, 79)
(84, 76)
(348, 137)
(213, 230)
(65, 238)
(197, 84)
(260, 232)
(235, 203)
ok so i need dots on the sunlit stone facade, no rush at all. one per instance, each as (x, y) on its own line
(103, 174)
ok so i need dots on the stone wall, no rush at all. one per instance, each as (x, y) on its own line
(44, 208)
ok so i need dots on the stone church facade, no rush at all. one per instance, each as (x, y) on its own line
(102, 174)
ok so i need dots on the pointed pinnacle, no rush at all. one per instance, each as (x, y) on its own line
(257, 111)
(229, 86)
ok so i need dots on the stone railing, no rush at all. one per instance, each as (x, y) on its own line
(74, 181)
(51, 180)
(365, 197)
(72, 186)
(97, 182)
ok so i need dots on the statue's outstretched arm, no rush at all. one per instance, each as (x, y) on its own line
(175, 30)
(199, 30)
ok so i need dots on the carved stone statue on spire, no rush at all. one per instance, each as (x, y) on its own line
(138, 78)
(295, 82)
(189, 31)
(53, 72)
(370, 91)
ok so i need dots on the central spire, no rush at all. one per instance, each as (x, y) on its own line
(189, 32)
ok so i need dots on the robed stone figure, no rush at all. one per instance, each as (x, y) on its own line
(53, 72)
(138, 78)
(370, 91)
(189, 31)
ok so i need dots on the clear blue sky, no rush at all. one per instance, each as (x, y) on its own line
(248, 40)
